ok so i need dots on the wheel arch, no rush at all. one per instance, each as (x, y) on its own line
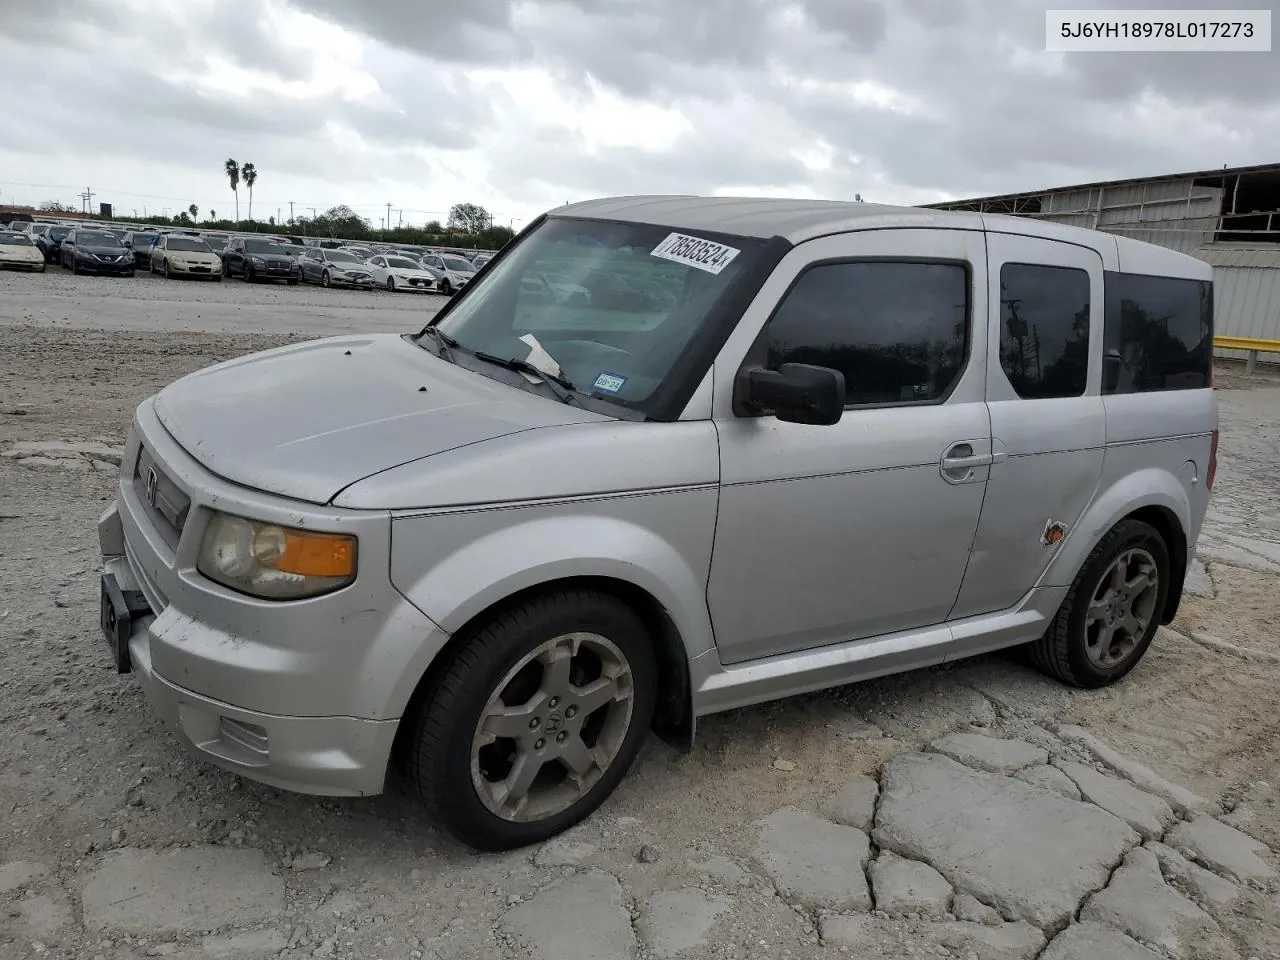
(673, 718)
(1153, 496)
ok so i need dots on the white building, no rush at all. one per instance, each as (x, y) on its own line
(1229, 218)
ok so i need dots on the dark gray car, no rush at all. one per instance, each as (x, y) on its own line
(256, 259)
(335, 268)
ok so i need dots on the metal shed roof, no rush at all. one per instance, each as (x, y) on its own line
(1228, 256)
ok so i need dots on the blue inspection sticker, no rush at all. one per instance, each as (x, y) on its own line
(609, 382)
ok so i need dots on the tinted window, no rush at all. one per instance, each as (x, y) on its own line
(1044, 329)
(1162, 330)
(96, 239)
(341, 256)
(897, 331)
(187, 244)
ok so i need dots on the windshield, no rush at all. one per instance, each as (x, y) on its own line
(612, 339)
(262, 246)
(189, 245)
(400, 263)
(341, 256)
(15, 239)
(97, 238)
(59, 233)
(458, 265)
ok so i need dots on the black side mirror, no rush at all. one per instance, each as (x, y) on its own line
(797, 393)
(1112, 363)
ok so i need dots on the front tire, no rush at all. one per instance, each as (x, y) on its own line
(446, 288)
(391, 284)
(534, 719)
(247, 274)
(324, 279)
(1112, 611)
(168, 271)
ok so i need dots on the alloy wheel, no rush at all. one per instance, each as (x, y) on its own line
(552, 727)
(1121, 608)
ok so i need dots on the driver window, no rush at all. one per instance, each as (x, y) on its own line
(897, 330)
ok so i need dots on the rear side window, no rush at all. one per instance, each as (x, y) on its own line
(1162, 330)
(1044, 329)
(898, 331)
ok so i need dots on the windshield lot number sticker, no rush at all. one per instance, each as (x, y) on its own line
(609, 382)
(695, 252)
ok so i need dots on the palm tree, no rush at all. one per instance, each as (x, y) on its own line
(233, 174)
(250, 173)
(194, 211)
(213, 215)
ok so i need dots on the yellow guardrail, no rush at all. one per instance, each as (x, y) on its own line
(1253, 345)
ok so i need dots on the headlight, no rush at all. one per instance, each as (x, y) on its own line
(258, 260)
(274, 562)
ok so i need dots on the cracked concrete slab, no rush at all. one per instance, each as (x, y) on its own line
(1147, 814)
(1180, 798)
(868, 938)
(1028, 852)
(1138, 902)
(974, 910)
(1091, 940)
(600, 928)
(922, 706)
(1051, 778)
(1205, 887)
(18, 873)
(1223, 849)
(990, 753)
(906, 887)
(855, 804)
(674, 921)
(815, 862)
(1198, 583)
(189, 888)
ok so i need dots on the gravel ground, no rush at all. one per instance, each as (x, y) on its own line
(106, 824)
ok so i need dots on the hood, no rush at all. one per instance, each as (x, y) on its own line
(13, 251)
(193, 254)
(271, 257)
(307, 420)
(102, 251)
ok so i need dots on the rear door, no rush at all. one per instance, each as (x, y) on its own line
(1044, 374)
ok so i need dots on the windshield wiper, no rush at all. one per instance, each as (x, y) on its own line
(446, 342)
(562, 388)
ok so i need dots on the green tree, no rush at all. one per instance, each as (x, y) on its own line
(469, 218)
(194, 211)
(233, 174)
(250, 174)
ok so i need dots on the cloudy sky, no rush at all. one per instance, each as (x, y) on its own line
(524, 105)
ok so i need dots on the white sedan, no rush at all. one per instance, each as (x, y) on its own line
(17, 252)
(401, 273)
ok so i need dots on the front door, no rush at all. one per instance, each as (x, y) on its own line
(832, 533)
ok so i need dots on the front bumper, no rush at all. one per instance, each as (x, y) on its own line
(350, 281)
(196, 269)
(303, 695)
(329, 756)
(37, 264)
(106, 269)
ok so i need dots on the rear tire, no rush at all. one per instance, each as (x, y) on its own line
(500, 679)
(1112, 611)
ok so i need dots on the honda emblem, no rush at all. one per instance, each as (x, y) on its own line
(152, 481)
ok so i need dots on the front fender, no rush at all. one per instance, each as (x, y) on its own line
(455, 565)
(1148, 487)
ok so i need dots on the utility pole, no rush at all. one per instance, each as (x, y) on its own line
(291, 211)
(399, 219)
(388, 220)
(84, 200)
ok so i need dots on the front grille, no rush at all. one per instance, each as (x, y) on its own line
(163, 499)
